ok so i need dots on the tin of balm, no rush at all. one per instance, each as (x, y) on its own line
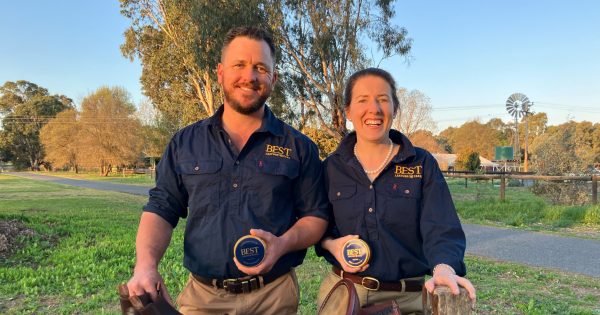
(249, 250)
(356, 253)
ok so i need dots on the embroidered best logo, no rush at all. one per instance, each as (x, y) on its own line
(274, 150)
(408, 171)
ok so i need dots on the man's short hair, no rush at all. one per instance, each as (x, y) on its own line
(252, 32)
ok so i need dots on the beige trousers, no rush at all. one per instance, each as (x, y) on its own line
(409, 302)
(278, 297)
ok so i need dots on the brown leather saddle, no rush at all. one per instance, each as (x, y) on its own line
(143, 304)
(346, 288)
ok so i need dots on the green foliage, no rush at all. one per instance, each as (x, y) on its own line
(26, 108)
(474, 136)
(326, 143)
(468, 160)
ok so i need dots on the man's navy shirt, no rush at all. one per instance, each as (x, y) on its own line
(406, 215)
(276, 179)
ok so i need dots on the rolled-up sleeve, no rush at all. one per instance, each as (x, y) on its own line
(169, 198)
(443, 236)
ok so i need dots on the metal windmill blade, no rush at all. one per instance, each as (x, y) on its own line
(517, 105)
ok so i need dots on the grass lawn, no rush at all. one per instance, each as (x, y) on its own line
(83, 246)
(480, 203)
(130, 179)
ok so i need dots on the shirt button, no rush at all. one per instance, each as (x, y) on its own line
(371, 210)
(338, 194)
(196, 168)
(237, 162)
(407, 191)
(235, 185)
(370, 186)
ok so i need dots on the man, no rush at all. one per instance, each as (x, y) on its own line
(241, 171)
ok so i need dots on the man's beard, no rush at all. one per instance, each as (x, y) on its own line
(246, 110)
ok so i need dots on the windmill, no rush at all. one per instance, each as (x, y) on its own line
(518, 106)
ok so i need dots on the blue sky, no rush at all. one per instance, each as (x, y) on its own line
(467, 56)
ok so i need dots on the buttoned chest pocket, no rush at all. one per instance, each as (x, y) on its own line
(347, 209)
(201, 179)
(403, 203)
(271, 186)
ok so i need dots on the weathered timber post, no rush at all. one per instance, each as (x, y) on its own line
(502, 187)
(594, 189)
(443, 302)
(466, 182)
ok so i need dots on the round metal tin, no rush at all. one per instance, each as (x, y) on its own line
(356, 253)
(249, 250)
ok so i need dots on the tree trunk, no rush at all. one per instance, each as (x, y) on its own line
(443, 302)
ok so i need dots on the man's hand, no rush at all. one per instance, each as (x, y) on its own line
(274, 250)
(336, 246)
(147, 280)
(446, 277)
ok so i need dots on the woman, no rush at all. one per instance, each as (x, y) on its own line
(392, 196)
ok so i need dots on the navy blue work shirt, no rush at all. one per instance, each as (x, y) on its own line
(406, 215)
(276, 179)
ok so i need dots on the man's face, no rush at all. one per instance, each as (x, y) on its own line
(246, 74)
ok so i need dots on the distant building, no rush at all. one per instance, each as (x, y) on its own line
(447, 161)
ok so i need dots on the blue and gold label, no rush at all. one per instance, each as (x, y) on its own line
(249, 250)
(356, 253)
(275, 150)
(408, 171)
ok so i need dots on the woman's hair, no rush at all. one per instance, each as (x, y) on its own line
(370, 72)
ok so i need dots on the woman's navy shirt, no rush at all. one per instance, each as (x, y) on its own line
(406, 215)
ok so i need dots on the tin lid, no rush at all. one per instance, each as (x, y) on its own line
(249, 250)
(356, 253)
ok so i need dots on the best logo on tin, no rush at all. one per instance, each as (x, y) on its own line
(356, 253)
(249, 250)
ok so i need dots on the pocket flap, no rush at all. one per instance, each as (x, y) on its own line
(341, 192)
(200, 166)
(288, 168)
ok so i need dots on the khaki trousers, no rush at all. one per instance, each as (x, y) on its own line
(409, 302)
(278, 297)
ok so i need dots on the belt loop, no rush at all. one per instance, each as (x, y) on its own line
(261, 281)
(403, 285)
(214, 283)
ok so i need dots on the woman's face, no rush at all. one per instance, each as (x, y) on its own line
(371, 108)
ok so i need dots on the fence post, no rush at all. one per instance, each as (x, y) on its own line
(594, 189)
(502, 187)
(466, 182)
(443, 302)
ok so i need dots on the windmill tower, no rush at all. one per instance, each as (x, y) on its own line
(518, 106)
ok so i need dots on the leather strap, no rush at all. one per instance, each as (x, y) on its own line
(373, 284)
(241, 285)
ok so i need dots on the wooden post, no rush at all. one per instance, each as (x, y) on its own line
(466, 182)
(594, 189)
(502, 187)
(443, 302)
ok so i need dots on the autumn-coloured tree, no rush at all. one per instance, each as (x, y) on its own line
(473, 136)
(62, 140)
(110, 132)
(426, 140)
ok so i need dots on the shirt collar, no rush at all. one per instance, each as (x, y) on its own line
(346, 147)
(270, 123)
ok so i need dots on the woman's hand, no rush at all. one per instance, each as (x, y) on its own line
(335, 247)
(445, 275)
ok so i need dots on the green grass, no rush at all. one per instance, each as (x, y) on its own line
(130, 179)
(480, 203)
(84, 247)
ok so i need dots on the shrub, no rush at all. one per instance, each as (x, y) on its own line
(568, 193)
